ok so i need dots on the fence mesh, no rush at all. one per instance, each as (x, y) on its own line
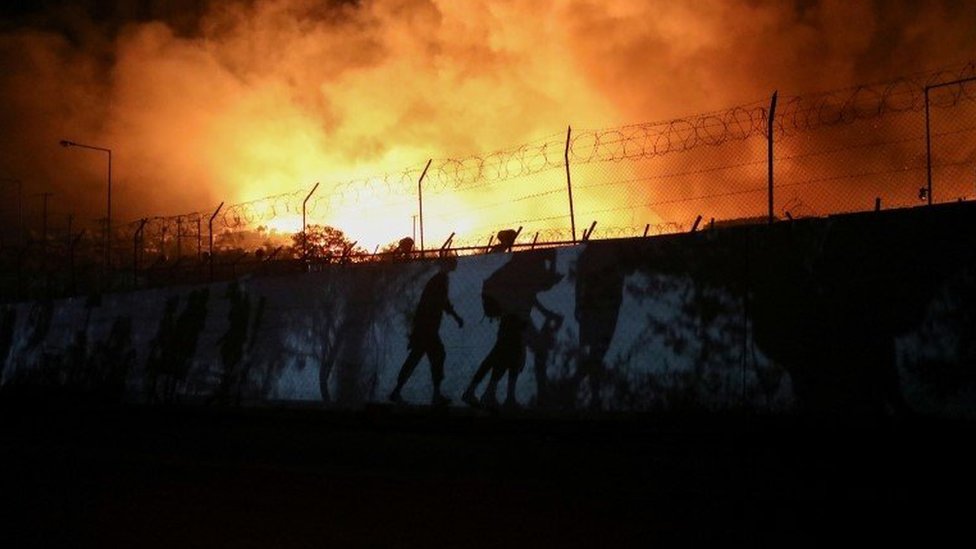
(845, 150)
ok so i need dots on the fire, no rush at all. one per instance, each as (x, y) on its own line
(252, 99)
(477, 90)
(286, 224)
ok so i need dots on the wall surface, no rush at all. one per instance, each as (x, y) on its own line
(867, 313)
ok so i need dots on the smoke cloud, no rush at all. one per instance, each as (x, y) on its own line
(231, 101)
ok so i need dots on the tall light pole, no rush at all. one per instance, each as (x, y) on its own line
(108, 217)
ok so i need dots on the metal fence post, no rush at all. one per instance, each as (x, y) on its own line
(199, 239)
(304, 234)
(44, 198)
(179, 236)
(136, 239)
(420, 203)
(569, 183)
(210, 224)
(71, 258)
(769, 151)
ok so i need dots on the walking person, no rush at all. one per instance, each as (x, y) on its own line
(425, 337)
(510, 294)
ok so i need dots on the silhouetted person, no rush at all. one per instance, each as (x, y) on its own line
(255, 330)
(404, 248)
(80, 368)
(171, 352)
(599, 295)
(510, 294)
(232, 342)
(541, 342)
(506, 356)
(189, 325)
(113, 359)
(161, 349)
(39, 321)
(506, 238)
(425, 337)
(349, 350)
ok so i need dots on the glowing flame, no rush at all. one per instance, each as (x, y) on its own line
(252, 99)
(287, 224)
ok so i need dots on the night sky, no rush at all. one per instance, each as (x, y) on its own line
(230, 101)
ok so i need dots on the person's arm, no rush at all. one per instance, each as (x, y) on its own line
(449, 309)
(546, 312)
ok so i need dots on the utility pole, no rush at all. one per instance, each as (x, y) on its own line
(769, 151)
(108, 217)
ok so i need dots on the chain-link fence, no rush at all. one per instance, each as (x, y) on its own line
(902, 143)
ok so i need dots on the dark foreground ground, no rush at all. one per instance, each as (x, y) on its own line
(203, 477)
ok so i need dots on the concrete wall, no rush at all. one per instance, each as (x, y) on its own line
(868, 313)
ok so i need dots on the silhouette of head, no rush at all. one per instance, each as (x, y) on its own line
(507, 236)
(405, 245)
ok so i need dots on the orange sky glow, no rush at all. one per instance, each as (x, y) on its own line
(258, 98)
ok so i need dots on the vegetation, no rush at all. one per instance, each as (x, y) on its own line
(322, 242)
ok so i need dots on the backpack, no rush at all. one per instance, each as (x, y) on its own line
(490, 305)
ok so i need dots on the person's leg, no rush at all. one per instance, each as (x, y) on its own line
(515, 368)
(511, 355)
(490, 397)
(485, 367)
(501, 359)
(436, 356)
(416, 353)
(539, 343)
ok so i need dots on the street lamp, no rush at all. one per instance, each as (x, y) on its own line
(108, 219)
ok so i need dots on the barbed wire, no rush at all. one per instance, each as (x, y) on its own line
(564, 234)
(795, 114)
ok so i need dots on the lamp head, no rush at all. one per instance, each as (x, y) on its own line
(66, 143)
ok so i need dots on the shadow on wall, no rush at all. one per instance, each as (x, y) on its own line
(356, 310)
(661, 323)
(8, 321)
(172, 350)
(685, 343)
(425, 338)
(233, 376)
(940, 356)
(830, 299)
(823, 299)
(510, 295)
(27, 372)
(97, 369)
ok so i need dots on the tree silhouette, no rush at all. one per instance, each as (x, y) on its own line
(322, 242)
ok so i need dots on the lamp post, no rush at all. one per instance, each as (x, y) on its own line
(108, 218)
